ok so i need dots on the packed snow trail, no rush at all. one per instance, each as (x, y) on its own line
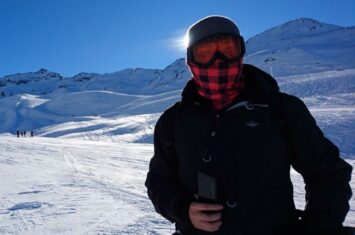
(53, 186)
(62, 186)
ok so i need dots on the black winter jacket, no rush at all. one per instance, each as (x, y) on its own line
(246, 149)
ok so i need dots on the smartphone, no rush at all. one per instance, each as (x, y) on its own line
(207, 188)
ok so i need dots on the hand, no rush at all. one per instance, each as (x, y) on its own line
(206, 217)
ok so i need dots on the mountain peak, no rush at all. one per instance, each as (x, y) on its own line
(307, 42)
(42, 70)
(298, 28)
(85, 76)
(177, 64)
(303, 20)
(24, 78)
(307, 25)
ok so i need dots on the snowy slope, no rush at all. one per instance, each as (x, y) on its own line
(106, 115)
(69, 185)
(59, 186)
(88, 114)
(53, 186)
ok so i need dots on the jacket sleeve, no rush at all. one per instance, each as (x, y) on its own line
(325, 174)
(162, 179)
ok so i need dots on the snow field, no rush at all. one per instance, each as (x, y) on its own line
(68, 186)
(56, 186)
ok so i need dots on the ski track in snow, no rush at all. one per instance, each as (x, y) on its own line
(62, 186)
(75, 187)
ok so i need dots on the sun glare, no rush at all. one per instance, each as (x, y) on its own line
(177, 42)
(181, 42)
(186, 41)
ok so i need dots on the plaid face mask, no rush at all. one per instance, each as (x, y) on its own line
(220, 83)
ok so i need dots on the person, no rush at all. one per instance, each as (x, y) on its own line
(222, 154)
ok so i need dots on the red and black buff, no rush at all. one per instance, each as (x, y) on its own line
(220, 83)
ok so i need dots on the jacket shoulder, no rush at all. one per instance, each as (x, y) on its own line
(295, 109)
(293, 101)
(165, 124)
(169, 113)
(290, 99)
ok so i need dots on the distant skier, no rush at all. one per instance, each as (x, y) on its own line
(21, 133)
(31, 133)
(222, 155)
(24, 133)
(18, 134)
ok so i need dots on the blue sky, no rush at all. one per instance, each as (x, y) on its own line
(72, 36)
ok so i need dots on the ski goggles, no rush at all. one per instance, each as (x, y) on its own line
(229, 47)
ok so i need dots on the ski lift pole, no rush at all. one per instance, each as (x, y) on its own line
(269, 61)
(270, 65)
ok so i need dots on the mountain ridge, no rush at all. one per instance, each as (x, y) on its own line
(46, 102)
(299, 46)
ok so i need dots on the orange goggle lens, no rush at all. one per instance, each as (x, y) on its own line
(204, 51)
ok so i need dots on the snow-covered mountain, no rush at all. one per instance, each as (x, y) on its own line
(96, 106)
(39, 83)
(302, 46)
(128, 81)
(297, 47)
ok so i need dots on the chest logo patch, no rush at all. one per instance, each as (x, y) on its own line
(252, 124)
